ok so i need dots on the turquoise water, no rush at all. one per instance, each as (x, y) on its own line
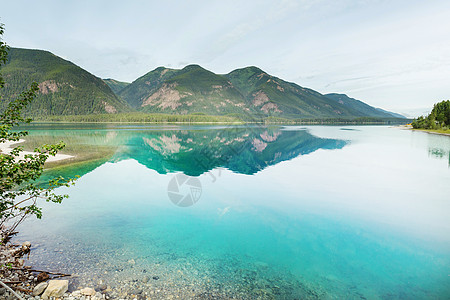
(281, 213)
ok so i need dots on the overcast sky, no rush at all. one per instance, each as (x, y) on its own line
(390, 54)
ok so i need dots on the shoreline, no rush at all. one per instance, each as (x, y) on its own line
(6, 148)
(430, 131)
(129, 279)
(18, 279)
(337, 123)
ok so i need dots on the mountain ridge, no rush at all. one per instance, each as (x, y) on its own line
(362, 106)
(248, 90)
(67, 89)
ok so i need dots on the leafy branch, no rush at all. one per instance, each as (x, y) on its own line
(19, 193)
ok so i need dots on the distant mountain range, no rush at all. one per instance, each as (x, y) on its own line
(66, 89)
(249, 90)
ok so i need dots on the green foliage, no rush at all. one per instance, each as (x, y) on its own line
(64, 88)
(7, 265)
(19, 171)
(438, 119)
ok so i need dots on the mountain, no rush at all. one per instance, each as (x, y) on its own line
(272, 96)
(64, 88)
(189, 90)
(393, 114)
(246, 91)
(362, 108)
(115, 85)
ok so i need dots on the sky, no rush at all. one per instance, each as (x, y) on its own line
(390, 54)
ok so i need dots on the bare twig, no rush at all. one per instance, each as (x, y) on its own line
(40, 271)
(9, 289)
(48, 272)
(18, 288)
(12, 206)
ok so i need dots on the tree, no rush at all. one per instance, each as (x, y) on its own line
(19, 192)
(439, 117)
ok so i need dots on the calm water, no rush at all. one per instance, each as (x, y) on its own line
(277, 213)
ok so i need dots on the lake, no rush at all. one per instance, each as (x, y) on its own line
(249, 212)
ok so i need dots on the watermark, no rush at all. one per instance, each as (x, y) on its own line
(184, 190)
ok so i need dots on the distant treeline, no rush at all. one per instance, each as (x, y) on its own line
(339, 121)
(438, 119)
(138, 117)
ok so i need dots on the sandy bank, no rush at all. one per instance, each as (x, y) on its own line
(8, 146)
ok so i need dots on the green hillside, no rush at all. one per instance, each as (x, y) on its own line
(362, 108)
(64, 88)
(115, 85)
(272, 96)
(190, 90)
(140, 89)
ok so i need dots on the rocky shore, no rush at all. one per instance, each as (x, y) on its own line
(18, 280)
(131, 278)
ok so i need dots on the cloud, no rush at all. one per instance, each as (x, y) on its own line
(387, 53)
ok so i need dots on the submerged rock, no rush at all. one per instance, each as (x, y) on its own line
(88, 291)
(42, 277)
(135, 292)
(101, 285)
(40, 288)
(56, 288)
